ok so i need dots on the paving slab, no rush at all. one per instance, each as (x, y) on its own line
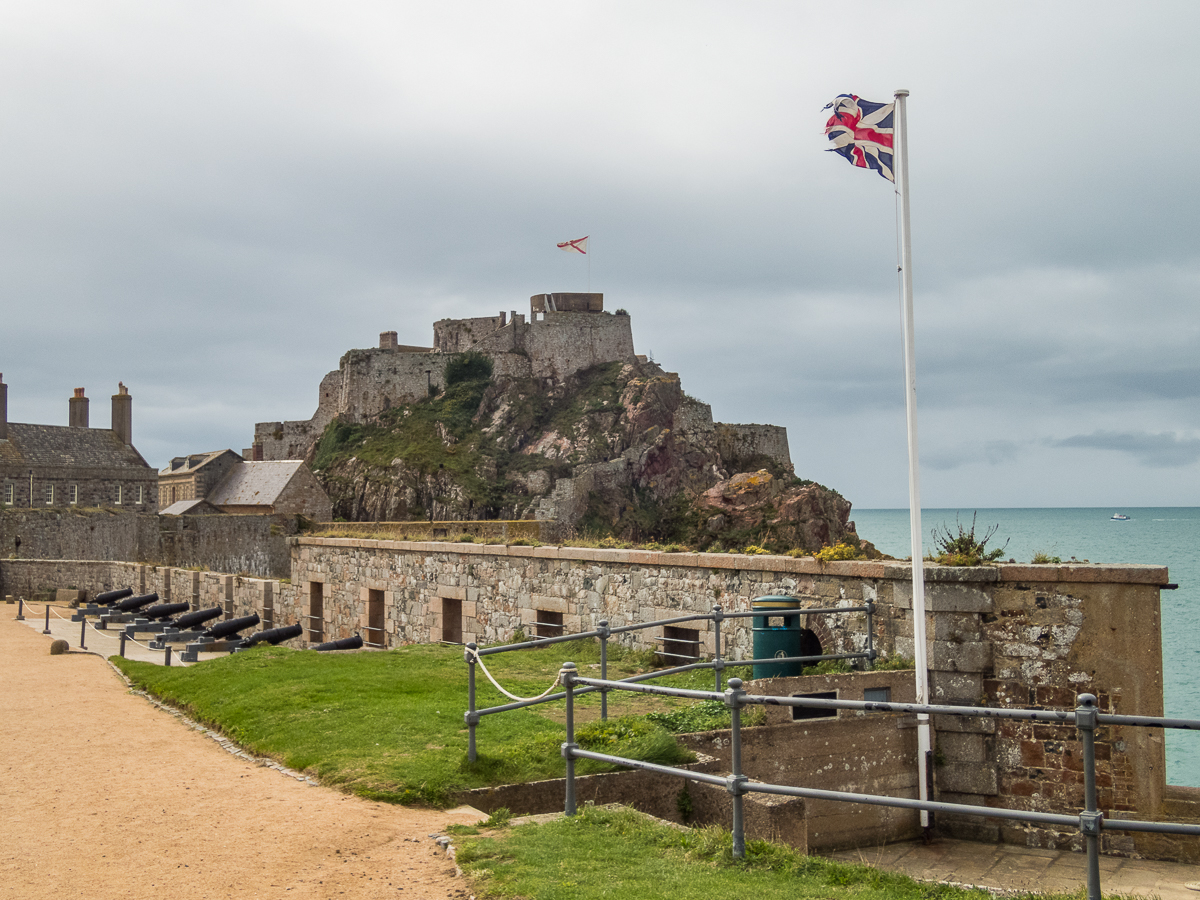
(1011, 869)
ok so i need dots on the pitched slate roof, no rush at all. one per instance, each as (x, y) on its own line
(60, 445)
(185, 465)
(255, 483)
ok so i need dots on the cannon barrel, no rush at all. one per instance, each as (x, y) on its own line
(350, 643)
(112, 596)
(129, 604)
(231, 627)
(199, 617)
(163, 610)
(275, 635)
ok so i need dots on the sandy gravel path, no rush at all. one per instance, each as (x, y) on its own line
(104, 795)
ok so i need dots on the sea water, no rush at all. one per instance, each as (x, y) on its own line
(1152, 536)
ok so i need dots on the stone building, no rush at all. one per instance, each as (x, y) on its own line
(221, 481)
(193, 477)
(75, 464)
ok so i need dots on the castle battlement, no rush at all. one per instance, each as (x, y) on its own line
(563, 334)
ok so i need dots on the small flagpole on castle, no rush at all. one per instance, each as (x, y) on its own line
(924, 737)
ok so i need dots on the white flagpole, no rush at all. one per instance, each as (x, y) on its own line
(924, 737)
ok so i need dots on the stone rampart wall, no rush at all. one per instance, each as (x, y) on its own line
(999, 636)
(255, 545)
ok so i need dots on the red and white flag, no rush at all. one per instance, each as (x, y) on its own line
(579, 245)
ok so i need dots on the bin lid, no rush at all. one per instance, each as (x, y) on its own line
(775, 602)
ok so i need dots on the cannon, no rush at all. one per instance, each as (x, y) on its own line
(221, 638)
(232, 626)
(185, 628)
(155, 619)
(126, 610)
(100, 604)
(107, 597)
(273, 636)
(350, 643)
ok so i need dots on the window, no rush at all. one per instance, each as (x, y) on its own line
(141, 495)
(74, 494)
(119, 495)
(878, 695)
(49, 495)
(8, 494)
(451, 620)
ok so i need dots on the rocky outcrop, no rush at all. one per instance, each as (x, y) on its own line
(615, 449)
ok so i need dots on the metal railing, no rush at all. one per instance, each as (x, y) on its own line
(1086, 718)
(473, 656)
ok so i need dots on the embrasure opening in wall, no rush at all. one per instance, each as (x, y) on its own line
(814, 712)
(316, 612)
(374, 628)
(549, 624)
(451, 620)
(680, 645)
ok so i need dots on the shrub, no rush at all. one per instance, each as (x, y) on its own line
(964, 548)
(839, 551)
(469, 366)
(1042, 558)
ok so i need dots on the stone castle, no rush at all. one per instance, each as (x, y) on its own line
(564, 333)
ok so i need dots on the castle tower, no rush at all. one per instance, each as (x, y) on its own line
(78, 414)
(122, 414)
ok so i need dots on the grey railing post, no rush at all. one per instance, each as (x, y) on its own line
(82, 634)
(20, 609)
(870, 604)
(737, 781)
(121, 652)
(602, 627)
(46, 629)
(1091, 819)
(167, 656)
(471, 717)
(568, 680)
(718, 663)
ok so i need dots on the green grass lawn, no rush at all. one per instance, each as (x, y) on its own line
(606, 853)
(389, 725)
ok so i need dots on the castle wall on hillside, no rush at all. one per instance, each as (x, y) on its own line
(368, 382)
(744, 442)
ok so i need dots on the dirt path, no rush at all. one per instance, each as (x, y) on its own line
(104, 795)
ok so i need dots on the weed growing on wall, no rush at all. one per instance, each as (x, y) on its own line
(963, 547)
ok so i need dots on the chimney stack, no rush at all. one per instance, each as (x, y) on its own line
(3, 409)
(79, 410)
(387, 340)
(122, 414)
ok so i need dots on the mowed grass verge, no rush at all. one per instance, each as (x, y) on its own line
(389, 725)
(604, 853)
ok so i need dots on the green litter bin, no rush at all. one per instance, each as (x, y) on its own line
(773, 641)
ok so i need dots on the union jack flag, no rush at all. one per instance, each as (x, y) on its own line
(861, 131)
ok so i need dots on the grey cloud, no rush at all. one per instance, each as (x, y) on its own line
(1164, 450)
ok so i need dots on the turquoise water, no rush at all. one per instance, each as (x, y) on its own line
(1156, 536)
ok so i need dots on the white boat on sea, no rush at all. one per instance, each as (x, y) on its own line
(1121, 517)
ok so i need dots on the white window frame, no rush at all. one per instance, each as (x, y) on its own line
(9, 493)
(50, 494)
(141, 495)
(118, 495)
(74, 495)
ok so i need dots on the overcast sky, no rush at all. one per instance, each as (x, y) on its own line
(213, 201)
